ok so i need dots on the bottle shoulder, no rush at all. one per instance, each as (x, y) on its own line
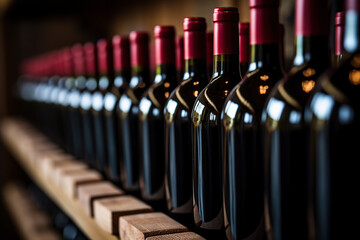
(182, 99)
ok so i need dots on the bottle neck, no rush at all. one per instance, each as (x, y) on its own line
(352, 31)
(311, 49)
(226, 64)
(166, 71)
(264, 55)
(194, 68)
(141, 73)
(121, 78)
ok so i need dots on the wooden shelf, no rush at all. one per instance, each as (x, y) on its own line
(8, 129)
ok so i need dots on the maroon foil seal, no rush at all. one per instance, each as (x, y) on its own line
(78, 59)
(310, 18)
(264, 21)
(139, 48)
(194, 38)
(352, 5)
(164, 44)
(226, 30)
(67, 61)
(209, 48)
(90, 58)
(339, 32)
(121, 53)
(244, 46)
(103, 56)
(179, 53)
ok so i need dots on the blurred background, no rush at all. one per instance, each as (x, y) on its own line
(32, 27)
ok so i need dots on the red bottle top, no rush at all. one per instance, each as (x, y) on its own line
(226, 31)
(194, 38)
(78, 59)
(339, 32)
(209, 48)
(310, 18)
(139, 49)
(90, 58)
(103, 52)
(67, 61)
(164, 44)
(179, 42)
(264, 21)
(121, 53)
(244, 47)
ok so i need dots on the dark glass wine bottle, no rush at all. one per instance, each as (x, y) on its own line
(179, 57)
(74, 99)
(282, 45)
(285, 133)
(334, 118)
(105, 81)
(151, 115)
(178, 155)
(244, 48)
(339, 37)
(121, 60)
(209, 53)
(206, 125)
(243, 155)
(86, 101)
(128, 110)
(67, 83)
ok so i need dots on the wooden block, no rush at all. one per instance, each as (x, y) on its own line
(68, 167)
(48, 167)
(177, 236)
(89, 192)
(70, 181)
(142, 226)
(108, 211)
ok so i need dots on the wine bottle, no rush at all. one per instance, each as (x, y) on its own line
(179, 54)
(209, 53)
(285, 133)
(121, 60)
(244, 48)
(67, 83)
(243, 155)
(206, 125)
(74, 100)
(178, 155)
(85, 103)
(281, 45)
(151, 115)
(334, 118)
(128, 110)
(104, 59)
(339, 37)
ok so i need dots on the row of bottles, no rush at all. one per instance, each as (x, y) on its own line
(237, 148)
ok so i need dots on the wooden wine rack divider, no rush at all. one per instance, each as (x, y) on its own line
(56, 172)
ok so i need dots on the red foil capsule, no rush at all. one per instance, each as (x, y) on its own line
(244, 47)
(78, 59)
(90, 58)
(194, 38)
(179, 54)
(164, 44)
(309, 18)
(121, 53)
(209, 48)
(264, 22)
(339, 32)
(67, 62)
(139, 44)
(226, 31)
(103, 50)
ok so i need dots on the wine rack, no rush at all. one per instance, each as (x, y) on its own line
(37, 156)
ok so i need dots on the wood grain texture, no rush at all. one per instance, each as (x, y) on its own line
(66, 169)
(108, 211)
(89, 192)
(141, 226)
(70, 181)
(177, 236)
